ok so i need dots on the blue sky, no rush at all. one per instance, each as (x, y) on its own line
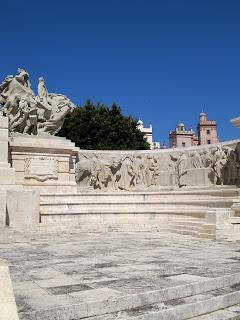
(161, 61)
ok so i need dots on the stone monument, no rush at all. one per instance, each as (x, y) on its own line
(40, 159)
(65, 186)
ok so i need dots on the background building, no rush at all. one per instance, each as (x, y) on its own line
(207, 130)
(206, 134)
(148, 135)
(181, 138)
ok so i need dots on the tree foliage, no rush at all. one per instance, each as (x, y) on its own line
(102, 128)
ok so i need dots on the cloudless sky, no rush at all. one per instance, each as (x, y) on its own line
(161, 61)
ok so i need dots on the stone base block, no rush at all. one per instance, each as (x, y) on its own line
(7, 175)
(167, 179)
(23, 209)
(199, 177)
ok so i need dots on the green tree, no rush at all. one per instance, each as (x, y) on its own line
(102, 128)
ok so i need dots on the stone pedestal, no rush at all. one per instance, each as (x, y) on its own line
(44, 162)
(199, 177)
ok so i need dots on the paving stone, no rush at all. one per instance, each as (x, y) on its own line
(68, 289)
(129, 269)
(186, 278)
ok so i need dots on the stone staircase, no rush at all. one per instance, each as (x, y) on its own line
(184, 211)
(213, 298)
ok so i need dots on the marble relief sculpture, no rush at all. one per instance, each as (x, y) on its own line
(30, 114)
(145, 171)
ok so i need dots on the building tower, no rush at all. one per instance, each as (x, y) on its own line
(207, 130)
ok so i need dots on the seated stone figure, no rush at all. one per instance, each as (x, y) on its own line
(30, 114)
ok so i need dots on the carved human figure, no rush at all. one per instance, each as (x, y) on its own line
(149, 170)
(196, 161)
(220, 160)
(61, 106)
(181, 166)
(25, 121)
(105, 174)
(231, 171)
(127, 174)
(83, 173)
(10, 108)
(42, 90)
(116, 175)
(206, 158)
(138, 164)
(23, 78)
(156, 171)
(3, 89)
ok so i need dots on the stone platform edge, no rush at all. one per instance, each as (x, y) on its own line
(126, 302)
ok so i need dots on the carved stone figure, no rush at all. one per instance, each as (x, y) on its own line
(30, 114)
(220, 160)
(116, 175)
(83, 173)
(181, 166)
(206, 158)
(156, 171)
(105, 175)
(139, 168)
(149, 171)
(196, 161)
(127, 174)
(231, 170)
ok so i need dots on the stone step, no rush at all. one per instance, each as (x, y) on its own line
(185, 231)
(195, 234)
(222, 191)
(230, 313)
(191, 211)
(191, 221)
(70, 227)
(106, 196)
(180, 309)
(178, 302)
(197, 226)
(163, 202)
